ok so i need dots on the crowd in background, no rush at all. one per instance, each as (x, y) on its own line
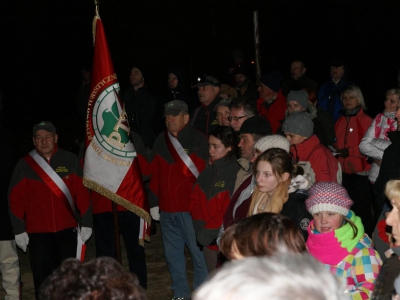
(237, 167)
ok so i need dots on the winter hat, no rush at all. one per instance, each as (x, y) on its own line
(256, 125)
(300, 123)
(272, 80)
(142, 70)
(44, 125)
(175, 107)
(300, 97)
(272, 141)
(207, 80)
(328, 196)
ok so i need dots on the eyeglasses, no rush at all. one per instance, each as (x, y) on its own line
(230, 119)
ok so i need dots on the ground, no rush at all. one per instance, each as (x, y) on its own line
(159, 280)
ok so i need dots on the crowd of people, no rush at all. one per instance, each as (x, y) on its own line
(263, 183)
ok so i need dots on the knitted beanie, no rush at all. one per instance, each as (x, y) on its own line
(256, 125)
(272, 80)
(328, 196)
(300, 97)
(272, 141)
(299, 123)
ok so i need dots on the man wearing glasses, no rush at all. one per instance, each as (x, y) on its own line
(204, 117)
(240, 110)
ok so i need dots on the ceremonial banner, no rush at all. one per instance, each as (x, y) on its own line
(110, 165)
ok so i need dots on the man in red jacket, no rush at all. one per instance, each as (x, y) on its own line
(43, 185)
(179, 154)
(272, 103)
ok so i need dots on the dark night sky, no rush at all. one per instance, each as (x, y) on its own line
(46, 42)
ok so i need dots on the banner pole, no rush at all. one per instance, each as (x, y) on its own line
(116, 233)
(257, 46)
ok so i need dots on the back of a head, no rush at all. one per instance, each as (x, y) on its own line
(101, 278)
(282, 277)
(263, 234)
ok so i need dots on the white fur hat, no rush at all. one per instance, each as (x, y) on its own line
(272, 141)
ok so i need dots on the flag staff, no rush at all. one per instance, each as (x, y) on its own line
(257, 45)
(117, 239)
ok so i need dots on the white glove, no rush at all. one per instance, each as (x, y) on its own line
(155, 213)
(86, 233)
(22, 240)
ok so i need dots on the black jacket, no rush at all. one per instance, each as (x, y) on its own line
(390, 167)
(140, 108)
(295, 209)
(204, 117)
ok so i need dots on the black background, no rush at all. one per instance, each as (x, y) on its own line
(44, 44)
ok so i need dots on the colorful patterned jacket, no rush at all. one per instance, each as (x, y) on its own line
(352, 260)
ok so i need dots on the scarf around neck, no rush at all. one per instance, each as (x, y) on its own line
(351, 112)
(332, 247)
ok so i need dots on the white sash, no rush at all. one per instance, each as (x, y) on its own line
(183, 155)
(63, 187)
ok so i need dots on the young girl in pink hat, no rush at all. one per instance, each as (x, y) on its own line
(336, 238)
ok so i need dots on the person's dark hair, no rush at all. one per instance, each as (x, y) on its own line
(302, 62)
(228, 138)
(262, 234)
(248, 106)
(100, 278)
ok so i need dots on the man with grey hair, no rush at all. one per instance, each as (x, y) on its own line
(281, 277)
(178, 156)
(240, 110)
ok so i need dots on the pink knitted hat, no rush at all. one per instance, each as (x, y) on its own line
(328, 196)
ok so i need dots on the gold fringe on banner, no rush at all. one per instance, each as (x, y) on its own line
(119, 200)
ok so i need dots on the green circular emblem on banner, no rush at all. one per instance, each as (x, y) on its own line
(110, 124)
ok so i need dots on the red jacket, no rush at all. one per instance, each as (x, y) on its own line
(34, 208)
(170, 188)
(323, 163)
(348, 135)
(210, 198)
(275, 113)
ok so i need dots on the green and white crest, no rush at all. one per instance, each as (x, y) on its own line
(110, 124)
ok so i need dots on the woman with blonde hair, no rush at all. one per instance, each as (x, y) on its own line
(280, 188)
(350, 128)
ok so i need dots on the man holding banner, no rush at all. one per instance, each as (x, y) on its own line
(179, 155)
(46, 197)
